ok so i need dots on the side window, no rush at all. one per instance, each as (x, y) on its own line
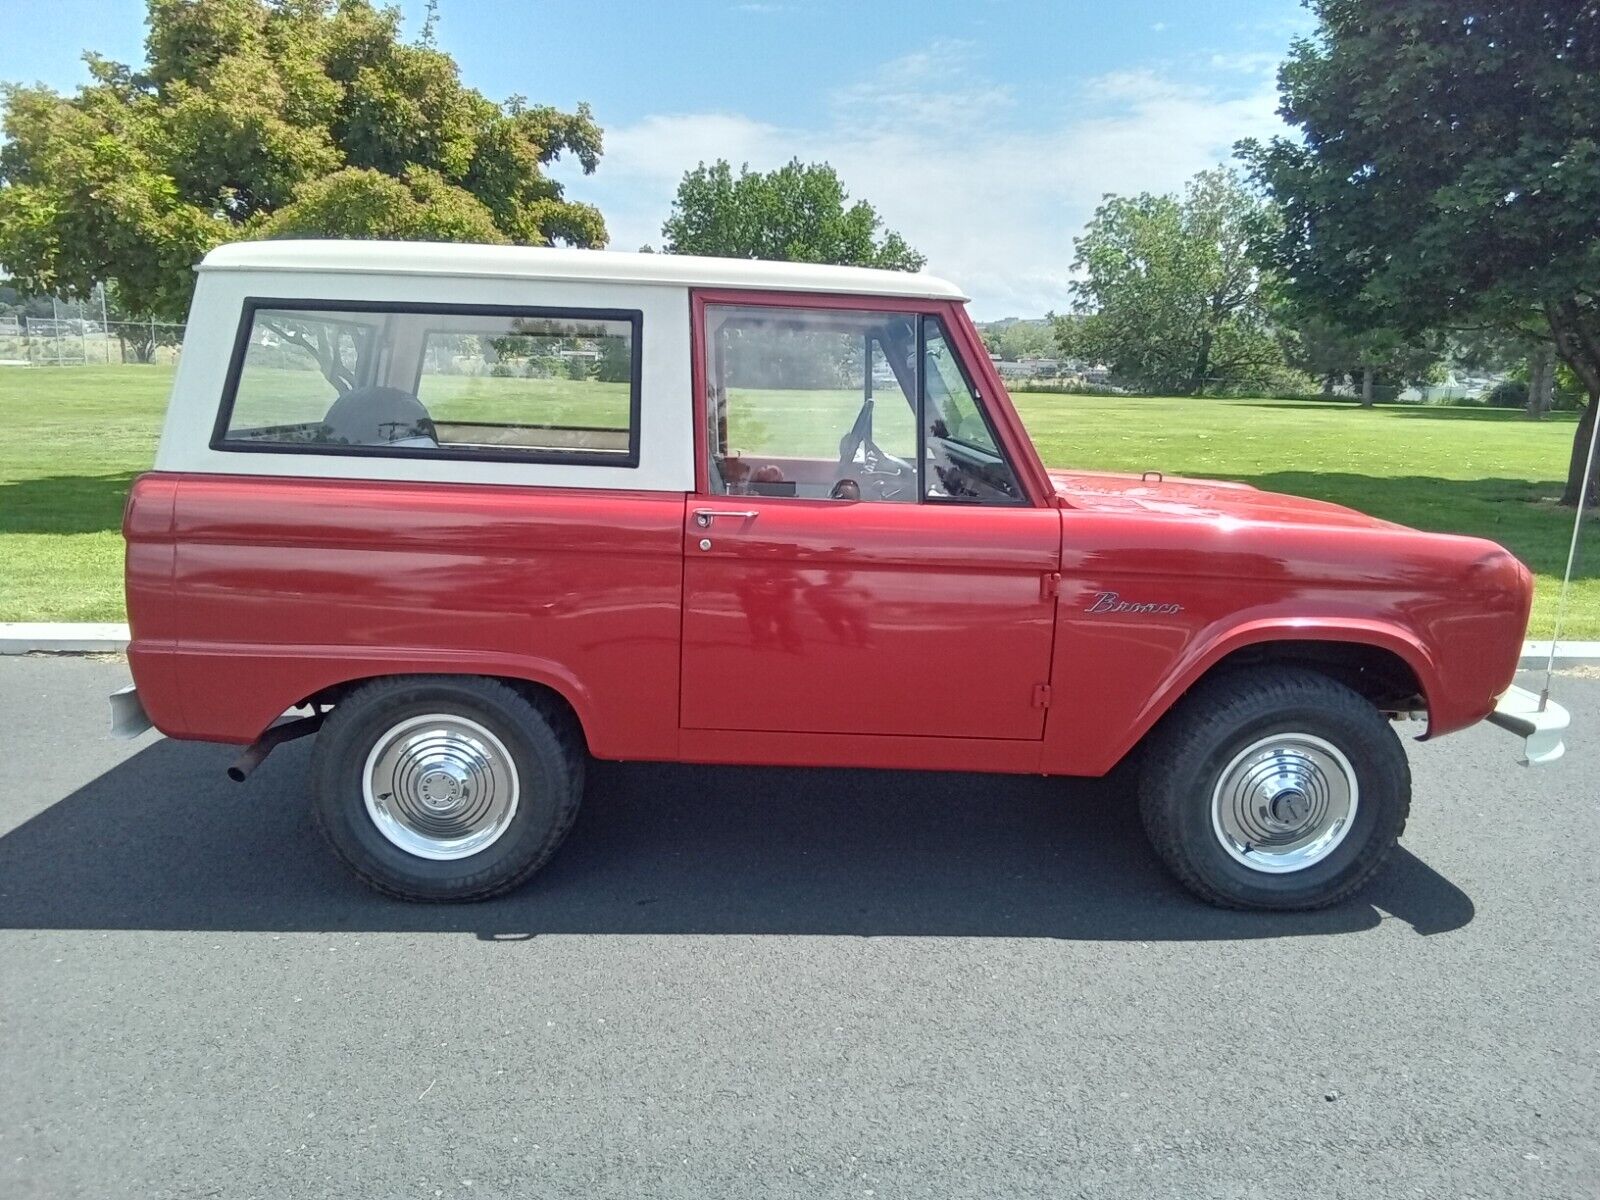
(447, 382)
(811, 403)
(826, 404)
(964, 459)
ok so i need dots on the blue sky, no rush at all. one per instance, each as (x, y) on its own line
(985, 131)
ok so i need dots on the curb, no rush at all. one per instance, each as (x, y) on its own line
(64, 637)
(1536, 654)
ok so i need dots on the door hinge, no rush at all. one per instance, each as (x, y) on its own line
(1049, 585)
(1041, 695)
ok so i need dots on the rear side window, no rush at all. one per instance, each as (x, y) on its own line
(525, 385)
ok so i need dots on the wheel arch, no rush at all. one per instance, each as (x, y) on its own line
(547, 690)
(1386, 664)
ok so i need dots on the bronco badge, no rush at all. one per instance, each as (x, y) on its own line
(1110, 602)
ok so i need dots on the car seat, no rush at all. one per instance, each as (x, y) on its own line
(379, 416)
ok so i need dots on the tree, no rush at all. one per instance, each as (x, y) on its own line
(16, 303)
(137, 337)
(1523, 352)
(267, 118)
(1014, 339)
(1374, 360)
(1170, 297)
(794, 214)
(616, 361)
(1445, 173)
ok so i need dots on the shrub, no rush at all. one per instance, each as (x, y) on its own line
(1508, 393)
(1063, 387)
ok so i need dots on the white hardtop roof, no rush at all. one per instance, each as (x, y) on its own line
(595, 266)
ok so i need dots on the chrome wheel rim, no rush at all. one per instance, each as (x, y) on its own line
(440, 786)
(1284, 803)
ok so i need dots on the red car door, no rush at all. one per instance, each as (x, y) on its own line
(818, 616)
(828, 587)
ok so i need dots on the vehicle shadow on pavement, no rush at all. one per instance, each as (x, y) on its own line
(164, 842)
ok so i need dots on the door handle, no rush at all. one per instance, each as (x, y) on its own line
(704, 516)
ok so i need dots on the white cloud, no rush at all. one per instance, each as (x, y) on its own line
(1252, 62)
(994, 203)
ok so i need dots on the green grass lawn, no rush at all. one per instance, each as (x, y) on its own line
(281, 397)
(76, 436)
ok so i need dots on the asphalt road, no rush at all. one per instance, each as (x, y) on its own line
(754, 983)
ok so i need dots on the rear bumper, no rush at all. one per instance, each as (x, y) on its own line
(1541, 724)
(128, 718)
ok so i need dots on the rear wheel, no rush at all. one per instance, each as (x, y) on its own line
(445, 788)
(1274, 788)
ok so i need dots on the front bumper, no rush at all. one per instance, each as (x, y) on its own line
(1542, 724)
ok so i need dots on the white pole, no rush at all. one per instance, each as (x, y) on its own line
(1572, 555)
(105, 326)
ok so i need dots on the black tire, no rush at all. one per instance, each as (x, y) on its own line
(1187, 754)
(543, 743)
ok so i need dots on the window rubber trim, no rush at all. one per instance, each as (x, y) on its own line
(241, 346)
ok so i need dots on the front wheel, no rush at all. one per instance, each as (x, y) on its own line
(445, 788)
(1274, 788)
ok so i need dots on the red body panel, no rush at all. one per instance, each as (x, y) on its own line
(821, 616)
(281, 587)
(1242, 567)
(815, 633)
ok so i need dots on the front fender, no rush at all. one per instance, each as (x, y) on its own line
(1381, 635)
(1101, 718)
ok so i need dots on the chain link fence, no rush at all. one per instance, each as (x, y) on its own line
(70, 342)
(78, 333)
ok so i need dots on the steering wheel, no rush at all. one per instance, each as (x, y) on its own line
(878, 476)
(878, 469)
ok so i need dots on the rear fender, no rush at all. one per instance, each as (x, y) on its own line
(288, 675)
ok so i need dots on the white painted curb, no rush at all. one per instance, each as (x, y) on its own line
(64, 637)
(1536, 654)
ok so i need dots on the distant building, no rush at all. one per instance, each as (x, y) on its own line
(1028, 368)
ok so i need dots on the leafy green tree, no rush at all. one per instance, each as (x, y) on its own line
(16, 303)
(794, 214)
(1444, 173)
(1170, 297)
(1015, 339)
(267, 118)
(1523, 352)
(616, 361)
(1377, 362)
(138, 337)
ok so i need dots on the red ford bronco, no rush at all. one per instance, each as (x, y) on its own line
(479, 513)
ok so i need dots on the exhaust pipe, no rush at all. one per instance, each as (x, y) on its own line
(285, 731)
